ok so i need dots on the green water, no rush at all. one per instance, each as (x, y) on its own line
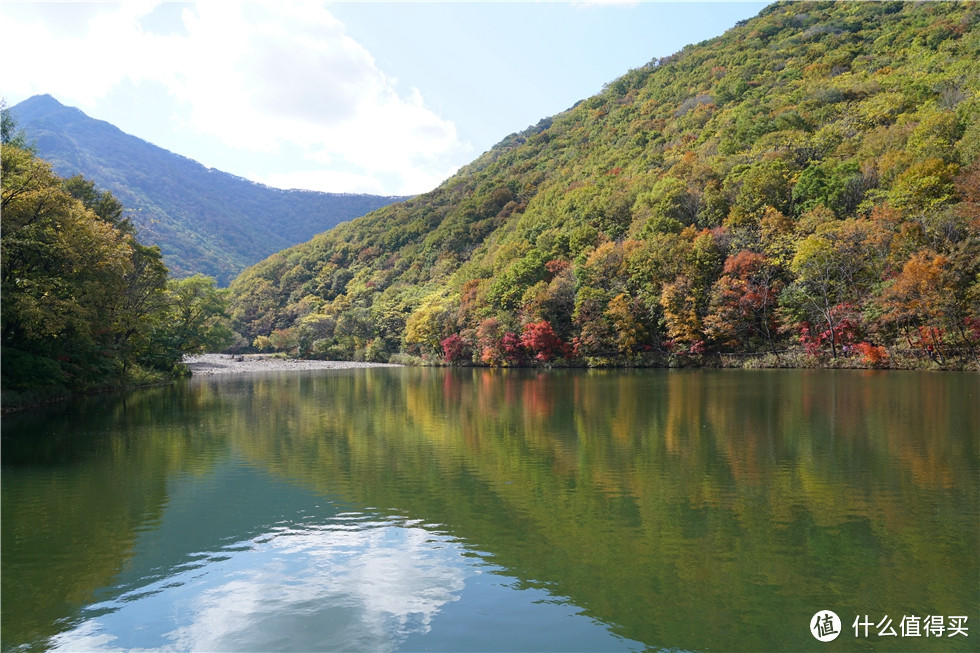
(489, 510)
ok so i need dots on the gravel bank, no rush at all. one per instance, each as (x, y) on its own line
(209, 364)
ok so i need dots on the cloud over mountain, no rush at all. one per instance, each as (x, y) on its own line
(261, 77)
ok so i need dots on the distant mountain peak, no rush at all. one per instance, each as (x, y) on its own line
(40, 100)
(204, 220)
(41, 105)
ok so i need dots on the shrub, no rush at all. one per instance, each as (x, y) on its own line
(873, 355)
(539, 338)
(456, 350)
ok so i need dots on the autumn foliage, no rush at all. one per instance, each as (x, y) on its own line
(781, 193)
(539, 339)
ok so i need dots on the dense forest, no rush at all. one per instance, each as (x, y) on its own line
(205, 221)
(86, 306)
(802, 190)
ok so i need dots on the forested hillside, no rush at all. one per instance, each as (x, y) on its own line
(86, 306)
(804, 189)
(205, 221)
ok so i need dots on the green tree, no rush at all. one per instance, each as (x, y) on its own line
(9, 134)
(102, 203)
(84, 304)
(925, 186)
(198, 317)
(756, 186)
(137, 311)
(60, 267)
(667, 208)
(832, 268)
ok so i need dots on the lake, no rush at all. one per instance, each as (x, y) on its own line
(405, 509)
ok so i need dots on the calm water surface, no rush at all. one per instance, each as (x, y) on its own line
(495, 510)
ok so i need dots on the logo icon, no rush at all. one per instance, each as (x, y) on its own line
(825, 626)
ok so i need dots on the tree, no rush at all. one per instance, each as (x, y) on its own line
(913, 296)
(838, 186)
(553, 300)
(667, 208)
(625, 313)
(939, 293)
(198, 316)
(102, 203)
(680, 308)
(924, 186)
(489, 334)
(254, 306)
(762, 184)
(84, 304)
(9, 134)
(429, 325)
(456, 350)
(744, 300)
(135, 314)
(597, 335)
(829, 274)
(540, 340)
(60, 267)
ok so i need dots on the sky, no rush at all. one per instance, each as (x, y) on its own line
(388, 98)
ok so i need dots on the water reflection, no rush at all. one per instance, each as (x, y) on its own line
(692, 509)
(352, 583)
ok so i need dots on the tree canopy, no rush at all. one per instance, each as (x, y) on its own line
(775, 189)
(85, 305)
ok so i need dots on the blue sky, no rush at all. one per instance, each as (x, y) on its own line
(375, 97)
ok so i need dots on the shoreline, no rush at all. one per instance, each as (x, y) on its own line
(219, 364)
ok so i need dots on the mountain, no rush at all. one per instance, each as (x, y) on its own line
(204, 220)
(804, 189)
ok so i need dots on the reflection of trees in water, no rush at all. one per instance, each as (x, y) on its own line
(79, 481)
(750, 490)
(656, 500)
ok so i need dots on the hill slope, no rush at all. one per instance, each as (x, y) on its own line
(204, 220)
(806, 181)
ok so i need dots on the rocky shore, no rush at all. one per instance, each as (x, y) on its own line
(210, 364)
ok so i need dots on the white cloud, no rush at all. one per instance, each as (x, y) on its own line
(260, 77)
(76, 51)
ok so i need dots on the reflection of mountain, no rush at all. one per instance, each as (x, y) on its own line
(658, 500)
(232, 558)
(690, 509)
(209, 512)
(80, 524)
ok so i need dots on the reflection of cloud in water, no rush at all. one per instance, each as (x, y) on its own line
(352, 585)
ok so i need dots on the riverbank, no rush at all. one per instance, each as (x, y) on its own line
(199, 365)
(212, 364)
